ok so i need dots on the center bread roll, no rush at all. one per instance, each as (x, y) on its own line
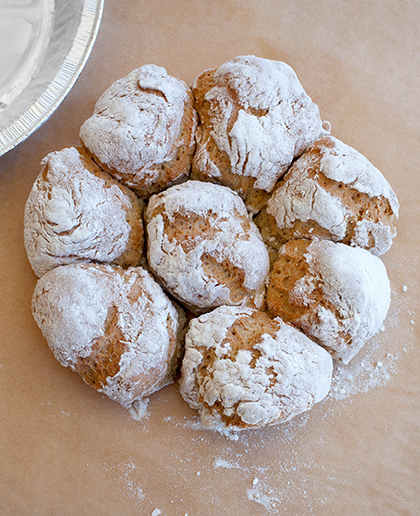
(204, 248)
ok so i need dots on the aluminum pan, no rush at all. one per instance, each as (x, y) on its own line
(71, 32)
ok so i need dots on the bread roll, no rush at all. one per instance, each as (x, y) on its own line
(332, 192)
(204, 248)
(254, 119)
(142, 130)
(116, 328)
(78, 213)
(244, 370)
(336, 294)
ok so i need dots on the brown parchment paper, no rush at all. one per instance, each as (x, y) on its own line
(66, 450)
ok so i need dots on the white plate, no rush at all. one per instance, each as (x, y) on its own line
(44, 45)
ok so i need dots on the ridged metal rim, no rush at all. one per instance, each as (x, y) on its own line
(44, 106)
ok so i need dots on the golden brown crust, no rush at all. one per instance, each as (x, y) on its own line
(105, 355)
(289, 267)
(243, 335)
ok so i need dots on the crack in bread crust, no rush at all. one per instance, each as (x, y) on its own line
(104, 358)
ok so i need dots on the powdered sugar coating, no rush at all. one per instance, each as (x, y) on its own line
(215, 227)
(345, 296)
(75, 212)
(259, 116)
(277, 377)
(302, 197)
(138, 129)
(345, 164)
(79, 306)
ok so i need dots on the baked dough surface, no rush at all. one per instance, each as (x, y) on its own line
(204, 248)
(331, 192)
(254, 119)
(142, 130)
(78, 213)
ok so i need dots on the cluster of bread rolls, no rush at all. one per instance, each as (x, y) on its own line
(219, 230)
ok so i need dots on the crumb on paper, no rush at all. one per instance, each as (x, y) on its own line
(222, 463)
(255, 481)
(268, 499)
(138, 409)
(156, 512)
(233, 436)
(405, 288)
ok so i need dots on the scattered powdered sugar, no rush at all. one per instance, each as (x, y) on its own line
(360, 376)
(222, 463)
(126, 473)
(266, 497)
(291, 480)
(274, 499)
